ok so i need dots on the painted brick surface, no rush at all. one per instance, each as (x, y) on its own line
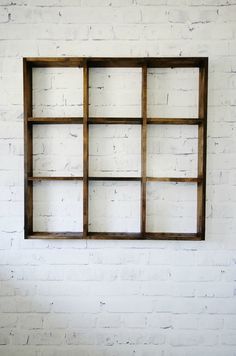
(118, 298)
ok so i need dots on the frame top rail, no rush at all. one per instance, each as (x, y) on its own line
(153, 62)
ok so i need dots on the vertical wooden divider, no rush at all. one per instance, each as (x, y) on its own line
(144, 149)
(202, 139)
(28, 149)
(85, 148)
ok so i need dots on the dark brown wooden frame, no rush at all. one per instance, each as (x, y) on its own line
(144, 63)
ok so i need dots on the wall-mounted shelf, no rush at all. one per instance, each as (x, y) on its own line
(143, 121)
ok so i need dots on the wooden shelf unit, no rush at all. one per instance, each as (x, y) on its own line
(86, 120)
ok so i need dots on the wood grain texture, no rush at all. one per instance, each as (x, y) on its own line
(85, 149)
(53, 178)
(56, 62)
(154, 62)
(55, 120)
(174, 121)
(171, 236)
(28, 149)
(55, 235)
(114, 236)
(175, 179)
(202, 149)
(144, 149)
(115, 120)
(119, 179)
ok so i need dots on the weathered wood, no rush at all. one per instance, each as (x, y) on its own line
(56, 62)
(55, 120)
(55, 235)
(171, 236)
(202, 154)
(85, 149)
(115, 120)
(161, 62)
(175, 179)
(164, 62)
(121, 179)
(143, 149)
(173, 121)
(114, 235)
(54, 178)
(174, 62)
(28, 149)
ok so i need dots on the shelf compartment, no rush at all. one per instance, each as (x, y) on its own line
(172, 151)
(54, 199)
(171, 207)
(114, 206)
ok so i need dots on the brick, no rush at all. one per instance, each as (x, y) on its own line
(154, 14)
(230, 322)
(4, 339)
(229, 339)
(109, 321)
(76, 304)
(45, 338)
(30, 321)
(160, 321)
(8, 320)
(131, 304)
(80, 338)
(101, 32)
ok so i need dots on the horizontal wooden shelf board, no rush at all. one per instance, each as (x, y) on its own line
(54, 178)
(172, 236)
(56, 61)
(153, 62)
(116, 178)
(174, 121)
(55, 235)
(116, 236)
(115, 120)
(173, 179)
(55, 120)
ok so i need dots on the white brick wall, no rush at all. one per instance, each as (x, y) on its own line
(117, 298)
